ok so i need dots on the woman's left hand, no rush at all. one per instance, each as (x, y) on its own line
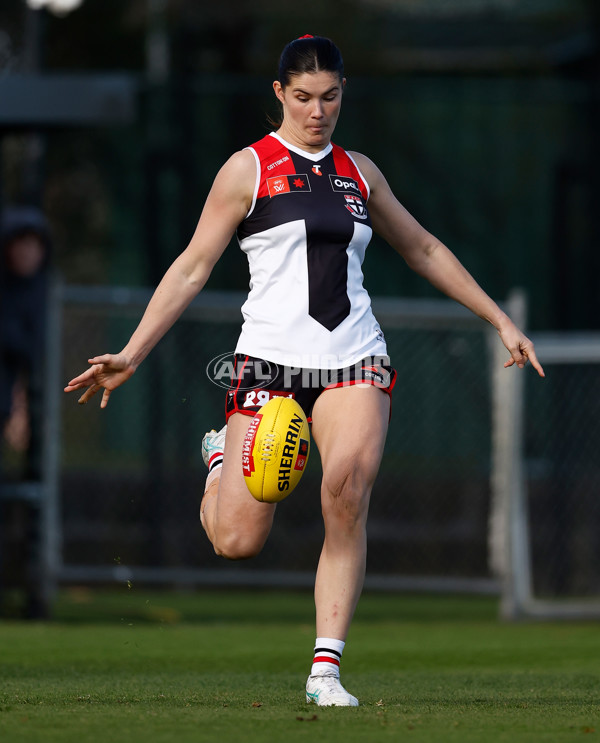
(520, 347)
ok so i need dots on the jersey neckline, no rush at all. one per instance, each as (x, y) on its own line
(314, 156)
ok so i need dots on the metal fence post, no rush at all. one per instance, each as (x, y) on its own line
(50, 524)
(508, 533)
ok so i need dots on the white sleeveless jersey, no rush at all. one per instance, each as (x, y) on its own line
(305, 237)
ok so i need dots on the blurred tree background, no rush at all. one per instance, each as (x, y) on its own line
(483, 114)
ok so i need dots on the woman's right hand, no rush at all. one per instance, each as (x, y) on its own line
(107, 372)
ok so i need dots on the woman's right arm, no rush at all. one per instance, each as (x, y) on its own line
(226, 206)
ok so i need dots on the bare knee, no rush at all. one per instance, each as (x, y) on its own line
(238, 546)
(345, 499)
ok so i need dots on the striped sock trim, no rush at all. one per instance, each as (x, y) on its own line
(326, 659)
(326, 662)
(327, 651)
(215, 461)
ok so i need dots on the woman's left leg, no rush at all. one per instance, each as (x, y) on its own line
(349, 427)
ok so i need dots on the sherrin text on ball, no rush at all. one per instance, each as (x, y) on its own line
(275, 449)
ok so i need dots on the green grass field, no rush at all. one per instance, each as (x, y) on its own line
(223, 666)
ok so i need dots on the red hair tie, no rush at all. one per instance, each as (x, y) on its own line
(307, 36)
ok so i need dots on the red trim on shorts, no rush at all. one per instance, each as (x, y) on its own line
(228, 415)
(235, 391)
(352, 382)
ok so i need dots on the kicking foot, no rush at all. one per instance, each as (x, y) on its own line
(327, 691)
(213, 444)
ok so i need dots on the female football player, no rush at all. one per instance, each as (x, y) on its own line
(304, 210)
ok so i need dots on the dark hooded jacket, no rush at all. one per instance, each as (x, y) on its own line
(22, 307)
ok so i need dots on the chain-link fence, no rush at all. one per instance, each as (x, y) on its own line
(131, 476)
(545, 515)
(562, 440)
(488, 481)
(563, 445)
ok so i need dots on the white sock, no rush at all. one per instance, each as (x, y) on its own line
(327, 657)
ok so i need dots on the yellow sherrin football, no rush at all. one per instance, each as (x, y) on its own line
(275, 449)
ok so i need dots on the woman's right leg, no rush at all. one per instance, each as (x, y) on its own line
(236, 524)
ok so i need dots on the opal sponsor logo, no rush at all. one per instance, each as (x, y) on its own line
(344, 184)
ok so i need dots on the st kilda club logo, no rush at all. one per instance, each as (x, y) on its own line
(355, 206)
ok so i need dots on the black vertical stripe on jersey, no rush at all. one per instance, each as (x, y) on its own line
(328, 234)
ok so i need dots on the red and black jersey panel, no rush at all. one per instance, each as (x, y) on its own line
(329, 197)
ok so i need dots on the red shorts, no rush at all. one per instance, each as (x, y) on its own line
(255, 381)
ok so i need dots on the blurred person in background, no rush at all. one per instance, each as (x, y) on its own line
(25, 251)
(25, 248)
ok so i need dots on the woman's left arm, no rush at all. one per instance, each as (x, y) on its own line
(431, 259)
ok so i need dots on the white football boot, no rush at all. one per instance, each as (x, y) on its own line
(213, 444)
(327, 691)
